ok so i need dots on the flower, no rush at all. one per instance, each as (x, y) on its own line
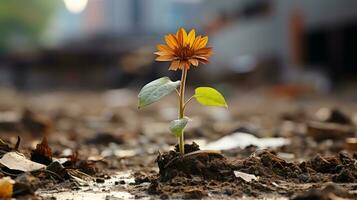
(184, 49)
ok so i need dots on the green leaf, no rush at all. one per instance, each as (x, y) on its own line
(177, 126)
(155, 90)
(208, 96)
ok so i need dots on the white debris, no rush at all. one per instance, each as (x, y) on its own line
(17, 161)
(245, 176)
(243, 140)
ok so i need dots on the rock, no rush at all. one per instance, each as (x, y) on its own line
(322, 131)
(26, 184)
(351, 144)
(323, 165)
(58, 169)
(345, 176)
(333, 115)
(99, 180)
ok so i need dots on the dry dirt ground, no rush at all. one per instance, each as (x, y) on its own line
(103, 147)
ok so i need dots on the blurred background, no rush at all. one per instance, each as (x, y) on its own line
(103, 44)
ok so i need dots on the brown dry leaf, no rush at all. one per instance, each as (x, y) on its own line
(6, 187)
(43, 153)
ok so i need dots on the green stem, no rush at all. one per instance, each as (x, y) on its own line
(182, 108)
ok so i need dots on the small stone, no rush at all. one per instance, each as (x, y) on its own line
(345, 176)
(351, 144)
(58, 169)
(99, 180)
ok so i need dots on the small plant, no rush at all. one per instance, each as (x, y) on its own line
(182, 50)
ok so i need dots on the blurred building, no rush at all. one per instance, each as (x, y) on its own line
(281, 39)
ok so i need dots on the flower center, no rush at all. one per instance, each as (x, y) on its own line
(184, 52)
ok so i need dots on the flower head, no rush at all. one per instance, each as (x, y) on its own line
(184, 49)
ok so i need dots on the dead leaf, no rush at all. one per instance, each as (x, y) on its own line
(17, 161)
(43, 153)
(25, 184)
(6, 187)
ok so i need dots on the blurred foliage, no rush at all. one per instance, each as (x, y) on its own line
(22, 22)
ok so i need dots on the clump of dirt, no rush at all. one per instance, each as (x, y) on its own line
(341, 168)
(205, 171)
(330, 192)
(197, 187)
(210, 165)
(192, 175)
(267, 164)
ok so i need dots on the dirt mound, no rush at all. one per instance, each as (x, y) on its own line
(341, 168)
(210, 165)
(330, 192)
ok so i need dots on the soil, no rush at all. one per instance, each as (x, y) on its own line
(210, 165)
(88, 154)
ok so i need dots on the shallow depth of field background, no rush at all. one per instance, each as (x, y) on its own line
(291, 46)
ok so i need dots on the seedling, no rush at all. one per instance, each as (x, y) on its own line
(182, 50)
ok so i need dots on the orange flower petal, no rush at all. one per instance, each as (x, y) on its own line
(196, 42)
(186, 64)
(191, 37)
(207, 52)
(162, 47)
(194, 62)
(203, 42)
(182, 64)
(204, 61)
(163, 53)
(181, 36)
(201, 58)
(165, 58)
(174, 65)
(171, 41)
